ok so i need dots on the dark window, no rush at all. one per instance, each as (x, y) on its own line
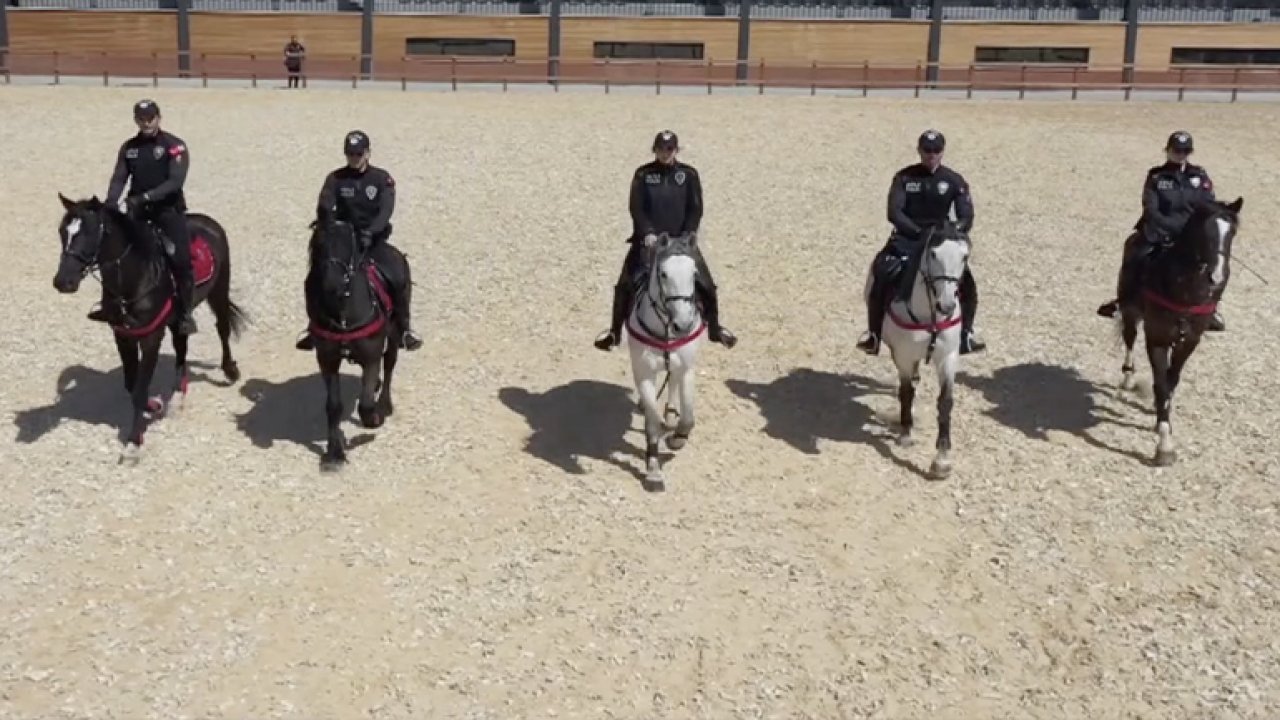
(1225, 56)
(460, 46)
(649, 50)
(1079, 55)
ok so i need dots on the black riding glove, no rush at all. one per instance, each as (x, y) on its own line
(134, 203)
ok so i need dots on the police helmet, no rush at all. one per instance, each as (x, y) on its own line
(356, 143)
(145, 110)
(666, 140)
(1180, 140)
(931, 141)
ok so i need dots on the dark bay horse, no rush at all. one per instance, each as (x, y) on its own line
(352, 317)
(1174, 303)
(129, 256)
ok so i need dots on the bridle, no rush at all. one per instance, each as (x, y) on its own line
(662, 304)
(93, 266)
(930, 287)
(350, 268)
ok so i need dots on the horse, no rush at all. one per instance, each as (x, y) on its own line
(664, 330)
(350, 313)
(135, 277)
(1174, 302)
(927, 329)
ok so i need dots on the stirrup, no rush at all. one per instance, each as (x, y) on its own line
(723, 336)
(305, 341)
(410, 341)
(1109, 309)
(869, 343)
(969, 343)
(606, 340)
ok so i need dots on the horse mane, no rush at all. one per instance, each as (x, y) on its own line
(132, 231)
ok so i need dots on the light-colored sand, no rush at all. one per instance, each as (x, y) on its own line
(491, 553)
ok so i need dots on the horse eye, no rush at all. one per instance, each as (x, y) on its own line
(664, 274)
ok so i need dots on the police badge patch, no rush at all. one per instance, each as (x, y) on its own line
(371, 191)
(680, 177)
(943, 187)
(158, 151)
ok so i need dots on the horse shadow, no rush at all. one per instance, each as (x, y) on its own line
(293, 411)
(581, 419)
(1035, 398)
(96, 397)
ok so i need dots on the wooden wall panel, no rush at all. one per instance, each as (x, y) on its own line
(390, 32)
(68, 31)
(1156, 41)
(266, 34)
(1106, 40)
(720, 35)
(839, 41)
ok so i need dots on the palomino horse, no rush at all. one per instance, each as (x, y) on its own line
(927, 329)
(1174, 304)
(138, 284)
(664, 330)
(350, 312)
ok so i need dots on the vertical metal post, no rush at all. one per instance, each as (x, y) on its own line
(366, 40)
(1130, 38)
(184, 37)
(744, 41)
(4, 35)
(934, 51)
(553, 43)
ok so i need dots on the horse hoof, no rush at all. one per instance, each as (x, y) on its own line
(155, 407)
(231, 373)
(906, 441)
(131, 454)
(675, 442)
(330, 465)
(1165, 458)
(940, 469)
(1129, 383)
(373, 420)
(655, 482)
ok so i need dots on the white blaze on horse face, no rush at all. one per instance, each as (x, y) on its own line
(1220, 262)
(72, 230)
(677, 280)
(947, 260)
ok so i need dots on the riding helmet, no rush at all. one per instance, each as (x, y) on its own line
(1180, 140)
(666, 140)
(355, 143)
(931, 141)
(145, 110)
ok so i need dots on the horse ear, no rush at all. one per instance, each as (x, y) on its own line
(1236, 204)
(95, 203)
(67, 203)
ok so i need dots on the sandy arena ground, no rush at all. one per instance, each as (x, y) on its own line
(491, 554)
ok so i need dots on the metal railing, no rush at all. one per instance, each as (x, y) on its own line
(757, 75)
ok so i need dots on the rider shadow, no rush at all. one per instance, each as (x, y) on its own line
(806, 405)
(96, 397)
(582, 419)
(293, 411)
(1034, 398)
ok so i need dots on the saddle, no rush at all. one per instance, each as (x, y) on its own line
(202, 261)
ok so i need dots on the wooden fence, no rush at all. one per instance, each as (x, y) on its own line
(759, 75)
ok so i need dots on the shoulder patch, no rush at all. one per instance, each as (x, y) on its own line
(177, 150)
(391, 182)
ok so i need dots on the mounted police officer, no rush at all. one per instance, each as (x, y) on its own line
(1168, 196)
(921, 197)
(666, 196)
(154, 163)
(365, 196)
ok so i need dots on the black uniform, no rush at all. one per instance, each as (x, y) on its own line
(155, 167)
(664, 198)
(366, 199)
(921, 199)
(293, 61)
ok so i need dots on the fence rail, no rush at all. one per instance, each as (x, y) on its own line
(759, 74)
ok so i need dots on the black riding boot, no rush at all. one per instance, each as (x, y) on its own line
(870, 342)
(185, 304)
(621, 300)
(968, 312)
(409, 340)
(711, 303)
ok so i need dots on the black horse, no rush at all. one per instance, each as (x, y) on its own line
(137, 283)
(352, 316)
(1175, 299)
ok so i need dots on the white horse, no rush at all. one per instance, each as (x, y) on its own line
(927, 329)
(664, 330)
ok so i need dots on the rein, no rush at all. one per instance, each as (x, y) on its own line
(95, 267)
(375, 320)
(666, 343)
(933, 326)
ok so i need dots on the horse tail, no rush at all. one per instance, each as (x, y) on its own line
(237, 318)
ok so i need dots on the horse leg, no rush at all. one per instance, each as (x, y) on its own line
(647, 388)
(1159, 356)
(1173, 375)
(370, 377)
(181, 374)
(389, 357)
(941, 467)
(906, 397)
(682, 382)
(144, 407)
(1129, 329)
(329, 358)
(224, 315)
(128, 351)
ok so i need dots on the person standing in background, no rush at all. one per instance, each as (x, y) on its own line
(294, 54)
